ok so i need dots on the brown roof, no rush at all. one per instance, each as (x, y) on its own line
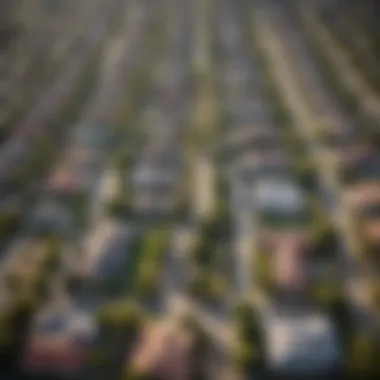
(363, 193)
(65, 180)
(290, 265)
(164, 351)
(275, 241)
(54, 354)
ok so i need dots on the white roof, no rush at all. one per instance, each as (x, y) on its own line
(279, 194)
(301, 343)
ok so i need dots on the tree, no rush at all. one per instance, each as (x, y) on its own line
(53, 254)
(363, 355)
(198, 286)
(325, 240)
(119, 207)
(201, 252)
(326, 293)
(12, 281)
(262, 271)
(307, 175)
(375, 294)
(243, 313)
(342, 316)
(121, 315)
(122, 160)
(136, 374)
(148, 278)
(246, 356)
(217, 286)
(9, 222)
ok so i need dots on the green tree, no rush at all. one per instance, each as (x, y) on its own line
(119, 207)
(363, 355)
(121, 315)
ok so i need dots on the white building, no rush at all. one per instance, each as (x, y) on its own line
(301, 343)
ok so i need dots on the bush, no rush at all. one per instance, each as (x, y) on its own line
(327, 293)
(202, 251)
(246, 356)
(9, 223)
(325, 241)
(122, 160)
(148, 278)
(363, 355)
(119, 207)
(153, 249)
(121, 315)
(217, 287)
(262, 271)
(198, 285)
(243, 313)
(135, 374)
(375, 294)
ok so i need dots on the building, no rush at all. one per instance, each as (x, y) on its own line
(300, 343)
(58, 342)
(106, 250)
(77, 171)
(164, 352)
(50, 216)
(290, 263)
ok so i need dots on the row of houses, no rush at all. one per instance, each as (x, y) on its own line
(61, 335)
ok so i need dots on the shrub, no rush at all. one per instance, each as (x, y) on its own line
(262, 271)
(153, 249)
(247, 355)
(121, 315)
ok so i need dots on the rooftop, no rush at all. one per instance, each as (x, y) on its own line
(108, 241)
(164, 350)
(279, 193)
(58, 341)
(301, 342)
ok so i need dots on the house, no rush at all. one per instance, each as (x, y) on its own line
(283, 231)
(64, 180)
(300, 343)
(77, 171)
(290, 261)
(279, 203)
(106, 250)
(58, 342)
(164, 351)
(49, 215)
